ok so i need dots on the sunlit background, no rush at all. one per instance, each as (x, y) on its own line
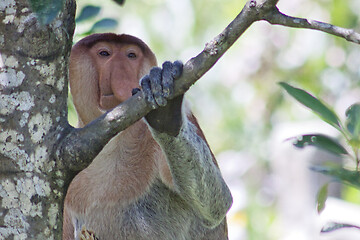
(245, 114)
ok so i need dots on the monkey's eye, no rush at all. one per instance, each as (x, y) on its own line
(104, 53)
(131, 55)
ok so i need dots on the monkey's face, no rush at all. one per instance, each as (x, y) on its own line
(104, 68)
(118, 68)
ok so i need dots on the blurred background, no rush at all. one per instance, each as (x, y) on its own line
(246, 116)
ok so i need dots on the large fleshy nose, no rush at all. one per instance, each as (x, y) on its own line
(116, 82)
(123, 80)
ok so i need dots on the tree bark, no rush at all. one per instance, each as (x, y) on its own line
(33, 113)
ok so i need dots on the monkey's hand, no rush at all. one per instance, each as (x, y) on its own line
(87, 234)
(158, 88)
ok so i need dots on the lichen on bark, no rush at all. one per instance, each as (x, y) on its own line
(33, 114)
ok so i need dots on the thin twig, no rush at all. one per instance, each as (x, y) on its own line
(277, 18)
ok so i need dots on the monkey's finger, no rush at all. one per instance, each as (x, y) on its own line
(177, 69)
(156, 88)
(146, 87)
(167, 79)
(135, 91)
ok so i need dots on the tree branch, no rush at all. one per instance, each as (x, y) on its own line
(78, 147)
(277, 18)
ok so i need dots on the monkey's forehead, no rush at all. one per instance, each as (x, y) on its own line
(91, 40)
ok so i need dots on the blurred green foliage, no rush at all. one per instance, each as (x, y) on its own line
(350, 131)
(238, 102)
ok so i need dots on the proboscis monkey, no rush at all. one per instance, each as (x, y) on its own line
(156, 180)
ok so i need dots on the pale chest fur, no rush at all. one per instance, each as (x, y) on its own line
(121, 172)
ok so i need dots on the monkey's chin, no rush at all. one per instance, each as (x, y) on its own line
(108, 102)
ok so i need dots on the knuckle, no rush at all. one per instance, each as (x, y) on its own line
(155, 71)
(155, 74)
(167, 65)
(177, 69)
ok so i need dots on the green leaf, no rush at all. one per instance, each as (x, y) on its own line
(321, 198)
(332, 226)
(120, 2)
(88, 12)
(104, 24)
(355, 143)
(353, 120)
(46, 10)
(313, 103)
(321, 141)
(340, 174)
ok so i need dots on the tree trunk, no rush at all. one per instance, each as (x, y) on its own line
(33, 114)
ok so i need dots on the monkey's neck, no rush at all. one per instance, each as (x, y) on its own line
(124, 154)
(137, 134)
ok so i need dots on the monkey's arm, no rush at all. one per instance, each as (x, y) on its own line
(158, 86)
(196, 177)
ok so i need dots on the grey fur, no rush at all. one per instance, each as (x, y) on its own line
(197, 180)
